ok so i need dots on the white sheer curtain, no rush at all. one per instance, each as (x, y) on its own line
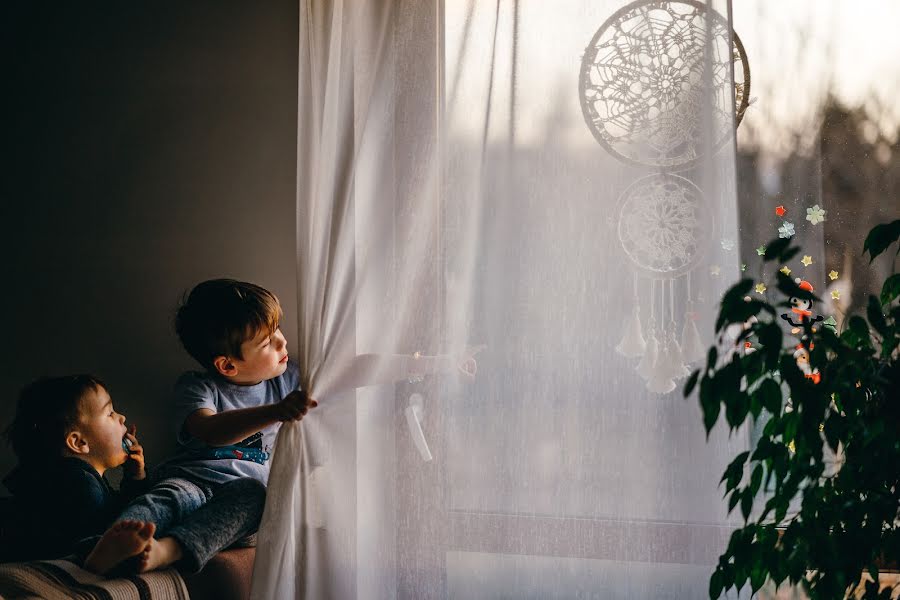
(554, 181)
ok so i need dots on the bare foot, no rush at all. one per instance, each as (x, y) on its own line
(120, 542)
(161, 554)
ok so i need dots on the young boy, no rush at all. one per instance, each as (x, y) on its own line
(66, 435)
(227, 416)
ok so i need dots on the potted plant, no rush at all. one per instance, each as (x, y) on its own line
(820, 490)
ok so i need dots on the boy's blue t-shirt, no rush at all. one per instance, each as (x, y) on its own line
(196, 390)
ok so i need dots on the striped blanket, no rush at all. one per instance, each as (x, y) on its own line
(63, 580)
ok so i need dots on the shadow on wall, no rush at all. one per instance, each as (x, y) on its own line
(152, 146)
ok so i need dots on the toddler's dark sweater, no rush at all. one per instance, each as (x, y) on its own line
(57, 504)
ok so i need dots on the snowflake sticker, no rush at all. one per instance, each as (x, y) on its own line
(815, 214)
(786, 230)
(807, 260)
(727, 245)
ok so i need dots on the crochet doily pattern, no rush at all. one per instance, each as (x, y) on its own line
(663, 225)
(642, 87)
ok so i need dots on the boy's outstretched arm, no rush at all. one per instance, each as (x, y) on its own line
(233, 426)
(373, 369)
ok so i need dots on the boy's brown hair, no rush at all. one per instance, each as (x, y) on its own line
(221, 314)
(47, 410)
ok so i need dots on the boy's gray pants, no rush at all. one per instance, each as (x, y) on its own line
(204, 517)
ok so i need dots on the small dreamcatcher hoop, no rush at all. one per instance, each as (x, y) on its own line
(663, 225)
(641, 84)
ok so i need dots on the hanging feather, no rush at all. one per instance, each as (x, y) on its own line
(633, 343)
(692, 349)
(659, 381)
(677, 368)
(648, 360)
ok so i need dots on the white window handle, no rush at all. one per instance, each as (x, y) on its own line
(413, 419)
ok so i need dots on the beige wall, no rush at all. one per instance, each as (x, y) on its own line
(154, 147)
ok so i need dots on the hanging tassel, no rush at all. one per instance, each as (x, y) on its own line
(691, 346)
(659, 381)
(677, 368)
(648, 360)
(692, 349)
(632, 344)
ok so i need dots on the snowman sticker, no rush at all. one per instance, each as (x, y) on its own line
(801, 309)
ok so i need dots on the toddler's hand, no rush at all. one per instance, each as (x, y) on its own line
(134, 465)
(294, 406)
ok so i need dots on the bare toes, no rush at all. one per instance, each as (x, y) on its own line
(146, 530)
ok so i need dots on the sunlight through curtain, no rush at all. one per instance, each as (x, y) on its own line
(555, 182)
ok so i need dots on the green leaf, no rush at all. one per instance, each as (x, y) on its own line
(735, 471)
(790, 253)
(756, 479)
(758, 574)
(789, 288)
(770, 337)
(834, 430)
(746, 504)
(691, 383)
(890, 289)
(732, 302)
(709, 402)
(741, 311)
(775, 249)
(880, 238)
(769, 393)
(858, 326)
(876, 317)
(716, 585)
(711, 357)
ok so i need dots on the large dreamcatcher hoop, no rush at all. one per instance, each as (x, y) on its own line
(642, 85)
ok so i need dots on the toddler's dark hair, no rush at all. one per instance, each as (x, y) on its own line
(46, 411)
(221, 314)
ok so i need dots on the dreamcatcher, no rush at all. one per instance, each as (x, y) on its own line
(648, 76)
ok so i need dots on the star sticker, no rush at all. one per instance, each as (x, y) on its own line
(785, 270)
(761, 251)
(743, 267)
(780, 210)
(807, 260)
(715, 270)
(836, 295)
(833, 275)
(760, 288)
